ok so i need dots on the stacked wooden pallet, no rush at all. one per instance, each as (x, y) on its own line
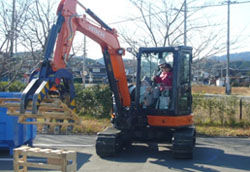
(52, 112)
(62, 160)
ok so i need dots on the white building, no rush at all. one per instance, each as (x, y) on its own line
(220, 82)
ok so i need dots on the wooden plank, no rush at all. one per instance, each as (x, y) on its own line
(16, 160)
(21, 149)
(50, 104)
(42, 155)
(51, 123)
(50, 116)
(10, 105)
(45, 115)
(46, 109)
(56, 114)
(64, 163)
(40, 165)
(10, 99)
(25, 168)
(54, 161)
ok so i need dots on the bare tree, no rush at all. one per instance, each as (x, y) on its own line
(13, 16)
(10, 29)
(161, 24)
(42, 15)
(33, 20)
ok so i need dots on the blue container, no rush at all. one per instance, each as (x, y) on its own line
(13, 134)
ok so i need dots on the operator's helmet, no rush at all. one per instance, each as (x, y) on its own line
(161, 62)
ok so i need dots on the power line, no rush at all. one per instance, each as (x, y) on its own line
(194, 7)
(221, 4)
(136, 18)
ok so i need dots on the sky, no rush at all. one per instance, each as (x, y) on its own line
(111, 12)
(115, 11)
(239, 23)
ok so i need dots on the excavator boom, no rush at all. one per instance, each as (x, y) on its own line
(106, 37)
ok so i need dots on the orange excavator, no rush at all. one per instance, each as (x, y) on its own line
(141, 111)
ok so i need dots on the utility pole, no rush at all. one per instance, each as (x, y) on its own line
(185, 22)
(228, 87)
(12, 32)
(84, 62)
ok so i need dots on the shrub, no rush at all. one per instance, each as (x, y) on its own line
(16, 86)
(94, 101)
(231, 109)
(3, 86)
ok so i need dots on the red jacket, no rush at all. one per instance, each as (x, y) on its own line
(165, 79)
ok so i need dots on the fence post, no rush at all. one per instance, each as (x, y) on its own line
(240, 108)
(210, 110)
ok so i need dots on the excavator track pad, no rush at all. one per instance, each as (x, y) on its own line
(184, 143)
(108, 142)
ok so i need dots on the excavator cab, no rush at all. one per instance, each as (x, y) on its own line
(172, 98)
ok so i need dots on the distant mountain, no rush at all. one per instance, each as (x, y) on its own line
(88, 61)
(100, 60)
(243, 56)
(216, 66)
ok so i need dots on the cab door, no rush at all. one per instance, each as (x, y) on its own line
(183, 98)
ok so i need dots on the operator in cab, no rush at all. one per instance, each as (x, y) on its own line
(164, 81)
(164, 78)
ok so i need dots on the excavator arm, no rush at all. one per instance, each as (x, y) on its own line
(106, 37)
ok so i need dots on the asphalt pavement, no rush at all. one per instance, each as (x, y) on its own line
(212, 154)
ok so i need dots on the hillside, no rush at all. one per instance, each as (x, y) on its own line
(243, 56)
(238, 61)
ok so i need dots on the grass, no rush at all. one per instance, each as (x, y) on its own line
(214, 127)
(220, 90)
(222, 131)
(92, 125)
(89, 125)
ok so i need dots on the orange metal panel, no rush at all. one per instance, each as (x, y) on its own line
(170, 121)
(120, 76)
(66, 35)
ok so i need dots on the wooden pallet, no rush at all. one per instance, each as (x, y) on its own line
(62, 160)
(52, 112)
